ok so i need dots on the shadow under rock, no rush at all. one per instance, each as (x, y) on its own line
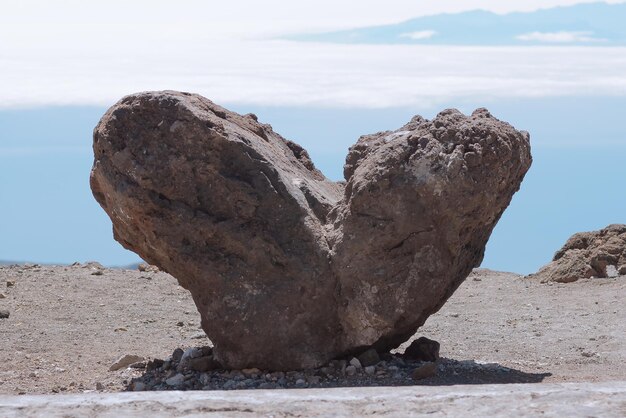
(470, 372)
(177, 373)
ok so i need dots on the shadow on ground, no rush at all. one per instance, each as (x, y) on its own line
(445, 372)
(470, 372)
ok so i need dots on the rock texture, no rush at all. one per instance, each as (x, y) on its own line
(588, 254)
(287, 268)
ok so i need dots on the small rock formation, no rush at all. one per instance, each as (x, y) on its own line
(125, 361)
(287, 268)
(423, 349)
(588, 254)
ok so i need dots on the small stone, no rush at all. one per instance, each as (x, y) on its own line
(97, 273)
(154, 364)
(328, 371)
(424, 371)
(10, 283)
(622, 270)
(278, 375)
(198, 336)
(138, 387)
(147, 268)
(350, 370)
(177, 355)
(356, 363)
(94, 265)
(2, 296)
(190, 353)
(4, 314)
(125, 361)
(423, 349)
(252, 372)
(99, 386)
(203, 364)
(175, 380)
(300, 383)
(339, 364)
(138, 365)
(371, 370)
(314, 380)
(180, 324)
(369, 357)
(229, 384)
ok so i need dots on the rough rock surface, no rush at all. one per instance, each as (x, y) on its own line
(287, 268)
(588, 254)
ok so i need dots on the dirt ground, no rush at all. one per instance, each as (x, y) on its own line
(68, 325)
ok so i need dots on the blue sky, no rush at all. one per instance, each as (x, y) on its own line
(589, 24)
(57, 80)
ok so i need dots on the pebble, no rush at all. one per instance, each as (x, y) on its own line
(177, 355)
(99, 386)
(314, 380)
(229, 384)
(369, 358)
(424, 371)
(2, 296)
(175, 380)
(203, 364)
(125, 361)
(4, 314)
(10, 283)
(394, 370)
(252, 372)
(355, 362)
(138, 386)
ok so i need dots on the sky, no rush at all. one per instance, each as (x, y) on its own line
(63, 63)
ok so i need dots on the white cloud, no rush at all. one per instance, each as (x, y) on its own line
(76, 52)
(559, 37)
(295, 74)
(418, 35)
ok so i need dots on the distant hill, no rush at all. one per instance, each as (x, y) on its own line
(593, 24)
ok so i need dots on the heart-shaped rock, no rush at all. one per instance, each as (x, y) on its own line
(287, 268)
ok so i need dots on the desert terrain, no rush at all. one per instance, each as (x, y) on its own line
(67, 325)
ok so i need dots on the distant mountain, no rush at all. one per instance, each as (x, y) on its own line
(593, 24)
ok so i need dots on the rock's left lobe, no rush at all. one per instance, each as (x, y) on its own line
(232, 210)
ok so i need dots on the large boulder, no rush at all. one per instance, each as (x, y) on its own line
(287, 268)
(588, 254)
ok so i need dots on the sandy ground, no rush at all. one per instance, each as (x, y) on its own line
(67, 326)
